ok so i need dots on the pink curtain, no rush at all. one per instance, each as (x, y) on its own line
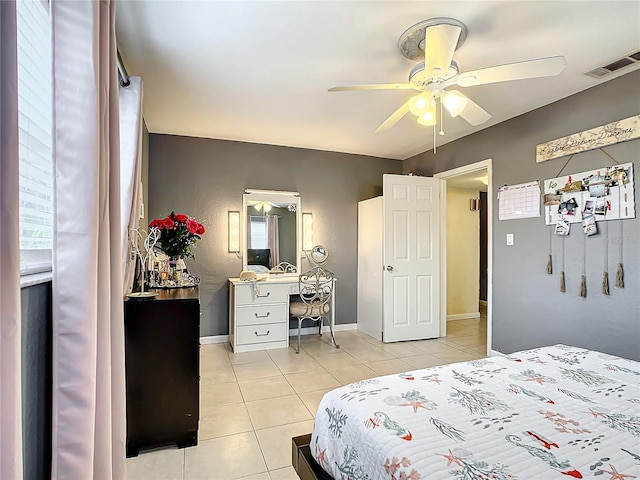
(10, 365)
(89, 429)
(274, 238)
(248, 235)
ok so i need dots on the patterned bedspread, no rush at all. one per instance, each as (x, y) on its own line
(554, 412)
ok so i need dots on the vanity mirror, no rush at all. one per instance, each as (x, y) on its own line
(318, 255)
(271, 230)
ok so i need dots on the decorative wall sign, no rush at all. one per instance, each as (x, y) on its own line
(595, 195)
(614, 132)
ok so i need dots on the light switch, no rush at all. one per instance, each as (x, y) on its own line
(509, 238)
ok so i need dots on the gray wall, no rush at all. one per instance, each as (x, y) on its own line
(206, 178)
(528, 308)
(37, 344)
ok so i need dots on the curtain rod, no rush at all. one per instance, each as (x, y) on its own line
(122, 72)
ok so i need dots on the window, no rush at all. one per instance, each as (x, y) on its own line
(258, 232)
(35, 116)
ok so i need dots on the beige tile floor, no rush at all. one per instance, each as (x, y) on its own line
(251, 404)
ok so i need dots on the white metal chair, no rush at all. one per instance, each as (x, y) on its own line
(284, 267)
(316, 289)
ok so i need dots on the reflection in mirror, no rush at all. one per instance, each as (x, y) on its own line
(271, 225)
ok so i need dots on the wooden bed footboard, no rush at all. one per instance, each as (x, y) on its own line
(303, 463)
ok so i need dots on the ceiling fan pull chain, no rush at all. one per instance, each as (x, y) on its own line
(441, 119)
(434, 139)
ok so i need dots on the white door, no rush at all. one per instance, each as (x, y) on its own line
(411, 278)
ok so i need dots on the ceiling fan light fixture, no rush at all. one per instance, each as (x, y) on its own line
(454, 102)
(429, 117)
(262, 206)
(419, 104)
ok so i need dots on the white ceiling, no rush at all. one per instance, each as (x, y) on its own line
(470, 181)
(258, 71)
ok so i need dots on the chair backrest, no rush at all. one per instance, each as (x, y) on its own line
(316, 286)
(285, 267)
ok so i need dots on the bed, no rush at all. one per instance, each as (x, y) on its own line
(553, 412)
(259, 256)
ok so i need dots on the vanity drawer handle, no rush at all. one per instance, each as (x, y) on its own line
(263, 296)
(262, 316)
(262, 334)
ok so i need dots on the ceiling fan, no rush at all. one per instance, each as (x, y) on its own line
(434, 42)
(263, 206)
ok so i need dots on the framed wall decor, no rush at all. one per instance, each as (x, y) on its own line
(606, 193)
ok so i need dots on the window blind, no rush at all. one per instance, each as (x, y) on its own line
(35, 135)
(258, 232)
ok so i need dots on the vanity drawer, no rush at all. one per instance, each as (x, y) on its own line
(261, 314)
(270, 332)
(246, 295)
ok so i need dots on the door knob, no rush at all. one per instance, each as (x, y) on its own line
(389, 268)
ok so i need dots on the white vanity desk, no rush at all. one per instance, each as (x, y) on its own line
(259, 312)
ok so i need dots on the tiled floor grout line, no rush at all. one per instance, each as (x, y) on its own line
(255, 431)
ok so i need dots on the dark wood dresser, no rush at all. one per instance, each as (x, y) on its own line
(162, 358)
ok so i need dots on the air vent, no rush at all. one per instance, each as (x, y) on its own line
(614, 66)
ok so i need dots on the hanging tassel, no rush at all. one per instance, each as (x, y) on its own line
(620, 276)
(583, 287)
(620, 273)
(550, 265)
(605, 283)
(605, 275)
(563, 285)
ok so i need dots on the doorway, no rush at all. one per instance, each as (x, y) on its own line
(470, 178)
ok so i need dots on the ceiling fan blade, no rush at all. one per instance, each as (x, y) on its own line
(542, 67)
(375, 86)
(394, 117)
(474, 113)
(440, 44)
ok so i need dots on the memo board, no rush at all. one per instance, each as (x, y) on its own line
(607, 193)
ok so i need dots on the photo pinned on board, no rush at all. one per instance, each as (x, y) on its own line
(551, 199)
(588, 207)
(568, 208)
(562, 228)
(589, 225)
(599, 190)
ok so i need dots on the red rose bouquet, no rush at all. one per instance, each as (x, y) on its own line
(178, 234)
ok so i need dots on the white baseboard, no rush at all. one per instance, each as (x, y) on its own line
(463, 316)
(292, 333)
(496, 353)
(214, 339)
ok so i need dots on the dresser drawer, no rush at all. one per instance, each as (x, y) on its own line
(270, 332)
(261, 314)
(246, 294)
